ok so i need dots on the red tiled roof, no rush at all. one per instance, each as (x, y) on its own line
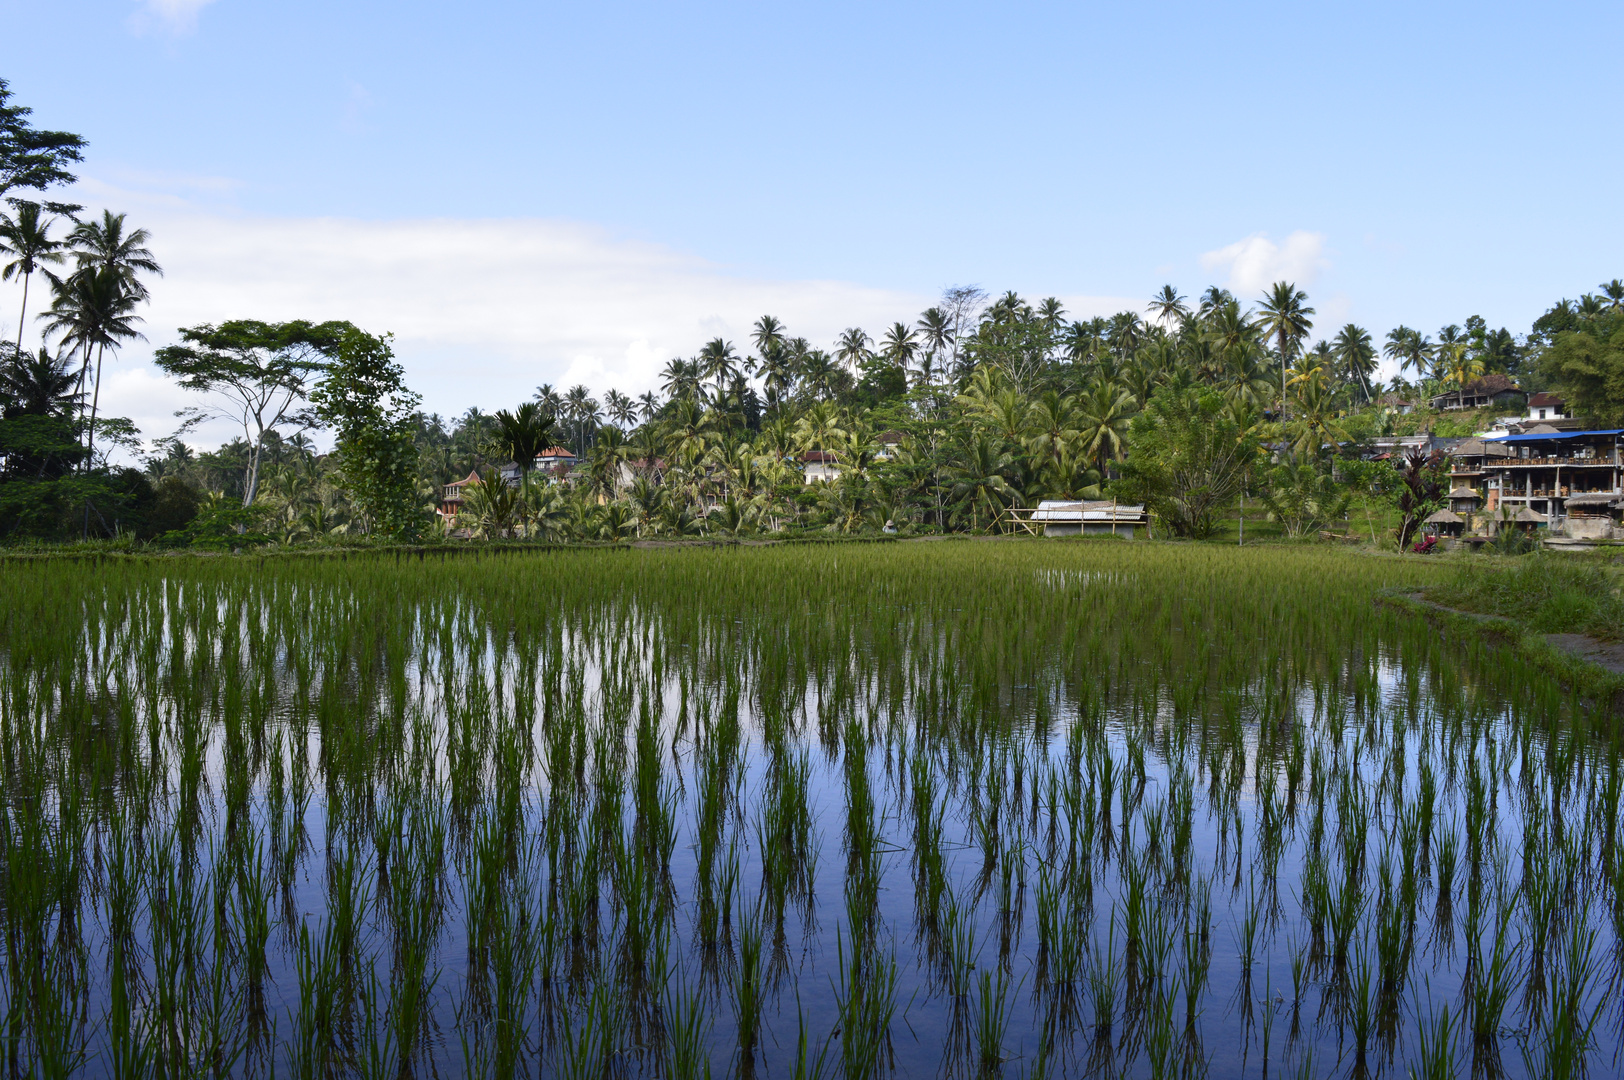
(818, 457)
(1546, 400)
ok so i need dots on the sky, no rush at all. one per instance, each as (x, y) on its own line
(533, 192)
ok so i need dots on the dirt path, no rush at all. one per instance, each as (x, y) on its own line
(1608, 655)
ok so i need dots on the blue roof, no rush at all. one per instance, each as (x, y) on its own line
(1556, 435)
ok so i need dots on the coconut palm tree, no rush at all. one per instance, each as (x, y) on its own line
(93, 310)
(1410, 348)
(1168, 307)
(582, 409)
(106, 245)
(39, 384)
(550, 399)
(28, 238)
(979, 477)
(852, 348)
(1213, 299)
(1614, 292)
(818, 372)
(1354, 351)
(900, 345)
(936, 327)
(719, 362)
(620, 408)
(1284, 315)
(768, 334)
(647, 405)
(1103, 416)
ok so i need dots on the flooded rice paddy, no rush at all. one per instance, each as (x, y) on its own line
(919, 810)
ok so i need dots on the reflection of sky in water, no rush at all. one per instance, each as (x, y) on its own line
(444, 689)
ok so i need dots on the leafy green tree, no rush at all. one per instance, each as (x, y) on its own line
(1188, 458)
(363, 397)
(1304, 497)
(258, 375)
(29, 157)
(1587, 363)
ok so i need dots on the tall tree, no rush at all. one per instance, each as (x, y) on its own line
(1284, 315)
(109, 244)
(1169, 307)
(38, 384)
(28, 237)
(258, 374)
(29, 157)
(852, 348)
(1357, 355)
(900, 345)
(363, 397)
(94, 311)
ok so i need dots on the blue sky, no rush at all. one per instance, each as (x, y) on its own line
(532, 192)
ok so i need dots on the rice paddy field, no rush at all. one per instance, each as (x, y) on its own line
(909, 809)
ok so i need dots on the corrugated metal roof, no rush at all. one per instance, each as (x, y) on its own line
(1544, 435)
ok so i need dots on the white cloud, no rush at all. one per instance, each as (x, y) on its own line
(1255, 263)
(178, 16)
(483, 310)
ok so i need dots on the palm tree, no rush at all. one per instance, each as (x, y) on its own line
(767, 335)
(1168, 306)
(648, 405)
(620, 408)
(28, 238)
(1354, 351)
(104, 245)
(979, 477)
(1103, 416)
(550, 399)
(1213, 299)
(719, 362)
(900, 345)
(94, 310)
(1051, 313)
(818, 373)
(39, 385)
(937, 329)
(1284, 315)
(1614, 291)
(1410, 348)
(1457, 366)
(582, 408)
(522, 434)
(852, 348)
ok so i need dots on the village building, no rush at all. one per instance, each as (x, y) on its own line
(1570, 483)
(1102, 517)
(451, 497)
(1547, 406)
(1496, 390)
(820, 465)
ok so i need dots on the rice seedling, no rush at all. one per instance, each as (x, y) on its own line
(493, 813)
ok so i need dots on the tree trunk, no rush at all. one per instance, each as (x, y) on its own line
(22, 316)
(254, 455)
(95, 398)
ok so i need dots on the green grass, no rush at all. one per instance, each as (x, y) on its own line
(1549, 593)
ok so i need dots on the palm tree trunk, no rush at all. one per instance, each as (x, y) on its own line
(95, 397)
(22, 316)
